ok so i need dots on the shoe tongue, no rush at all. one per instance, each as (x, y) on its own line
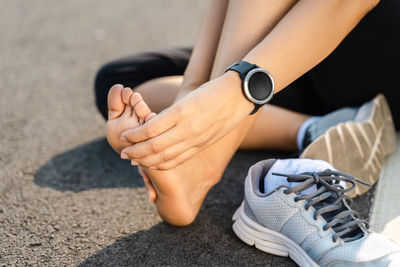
(292, 166)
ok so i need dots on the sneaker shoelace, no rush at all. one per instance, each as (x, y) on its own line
(330, 201)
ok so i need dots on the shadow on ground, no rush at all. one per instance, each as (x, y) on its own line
(93, 165)
(204, 243)
(209, 241)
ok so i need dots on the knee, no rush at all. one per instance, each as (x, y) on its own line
(371, 4)
(362, 6)
(103, 77)
(368, 5)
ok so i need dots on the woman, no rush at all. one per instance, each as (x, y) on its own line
(183, 151)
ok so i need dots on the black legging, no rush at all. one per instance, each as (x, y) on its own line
(363, 65)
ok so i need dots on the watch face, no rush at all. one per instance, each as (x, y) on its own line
(259, 86)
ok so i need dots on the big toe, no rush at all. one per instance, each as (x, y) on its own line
(115, 104)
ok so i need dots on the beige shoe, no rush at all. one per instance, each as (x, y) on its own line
(358, 146)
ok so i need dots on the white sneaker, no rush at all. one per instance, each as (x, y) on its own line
(308, 216)
(354, 140)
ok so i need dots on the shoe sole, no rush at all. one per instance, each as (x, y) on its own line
(264, 239)
(358, 147)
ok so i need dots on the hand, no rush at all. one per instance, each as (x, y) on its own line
(196, 121)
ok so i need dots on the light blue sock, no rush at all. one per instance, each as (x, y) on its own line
(302, 131)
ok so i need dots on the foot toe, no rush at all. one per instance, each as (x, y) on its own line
(150, 116)
(126, 95)
(115, 104)
(128, 112)
(135, 98)
(140, 107)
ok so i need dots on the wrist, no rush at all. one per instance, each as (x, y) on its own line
(234, 86)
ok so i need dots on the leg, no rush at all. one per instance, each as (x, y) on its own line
(182, 190)
(270, 129)
(363, 64)
(276, 125)
(148, 74)
(263, 131)
(335, 85)
(274, 128)
(160, 93)
(135, 70)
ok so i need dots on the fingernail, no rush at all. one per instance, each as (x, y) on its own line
(124, 156)
(134, 163)
(153, 168)
(123, 138)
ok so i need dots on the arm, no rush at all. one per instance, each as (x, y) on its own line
(303, 38)
(306, 36)
(200, 64)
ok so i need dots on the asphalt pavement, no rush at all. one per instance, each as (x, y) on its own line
(65, 197)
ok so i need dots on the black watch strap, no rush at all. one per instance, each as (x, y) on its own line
(243, 67)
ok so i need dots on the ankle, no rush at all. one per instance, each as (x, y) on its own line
(302, 129)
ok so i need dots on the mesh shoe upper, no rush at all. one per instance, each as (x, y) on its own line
(368, 248)
(278, 211)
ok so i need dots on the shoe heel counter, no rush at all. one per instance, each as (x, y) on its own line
(252, 184)
(247, 210)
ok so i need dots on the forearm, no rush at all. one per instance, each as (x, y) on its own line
(307, 34)
(200, 64)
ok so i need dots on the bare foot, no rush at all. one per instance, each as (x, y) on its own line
(127, 110)
(181, 191)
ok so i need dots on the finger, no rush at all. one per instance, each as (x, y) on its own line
(155, 145)
(182, 158)
(148, 117)
(161, 123)
(149, 185)
(168, 154)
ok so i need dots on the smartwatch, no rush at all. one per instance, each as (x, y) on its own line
(257, 83)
